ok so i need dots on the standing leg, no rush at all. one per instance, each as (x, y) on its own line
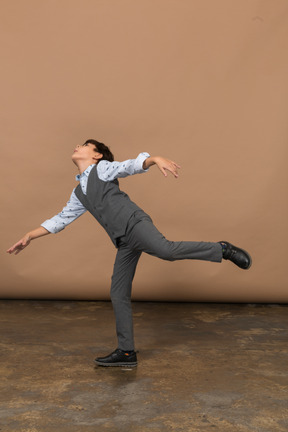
(123, 274)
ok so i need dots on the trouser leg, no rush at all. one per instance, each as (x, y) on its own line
(123, 274)
(145, 237)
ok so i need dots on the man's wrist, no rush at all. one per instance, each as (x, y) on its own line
(149, 162)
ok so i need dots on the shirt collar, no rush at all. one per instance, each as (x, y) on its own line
(85, 173)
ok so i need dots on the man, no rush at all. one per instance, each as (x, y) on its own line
(130, 229)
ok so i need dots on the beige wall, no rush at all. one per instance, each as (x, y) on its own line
(201, 82)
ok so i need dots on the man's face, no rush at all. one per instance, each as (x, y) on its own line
(86, 152)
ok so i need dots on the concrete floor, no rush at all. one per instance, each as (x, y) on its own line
(202, 367)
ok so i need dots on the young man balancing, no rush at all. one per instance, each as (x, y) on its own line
(130, 229)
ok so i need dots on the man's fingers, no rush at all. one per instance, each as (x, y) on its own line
(17, 247)
(11, 249)
(168, 165)
(173, 170)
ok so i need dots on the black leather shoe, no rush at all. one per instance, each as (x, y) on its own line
(238, 256)
(118, 358)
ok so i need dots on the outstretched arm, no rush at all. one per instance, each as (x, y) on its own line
(163, 164)
(57, 223)
(25, 241)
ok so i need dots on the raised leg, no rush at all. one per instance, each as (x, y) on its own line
(145, 237)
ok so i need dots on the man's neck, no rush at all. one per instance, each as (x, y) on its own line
(83, 165)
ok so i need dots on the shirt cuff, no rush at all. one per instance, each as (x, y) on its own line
(51, 226)
(139, 162)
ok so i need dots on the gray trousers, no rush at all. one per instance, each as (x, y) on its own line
(143, 236)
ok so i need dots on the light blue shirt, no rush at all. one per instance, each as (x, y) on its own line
(107, 171)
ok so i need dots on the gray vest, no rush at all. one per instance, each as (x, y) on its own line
(111, 207)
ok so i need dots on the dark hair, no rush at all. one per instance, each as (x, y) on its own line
(101, 148)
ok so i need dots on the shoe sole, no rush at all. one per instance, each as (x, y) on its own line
(132, 364)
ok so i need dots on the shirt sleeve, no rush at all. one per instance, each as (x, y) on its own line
(73, 209)
(109, 171)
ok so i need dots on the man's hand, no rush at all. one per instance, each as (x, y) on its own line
(25, 241)
(163, 164)
(20, 245)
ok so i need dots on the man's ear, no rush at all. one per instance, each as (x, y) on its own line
(97, 156)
